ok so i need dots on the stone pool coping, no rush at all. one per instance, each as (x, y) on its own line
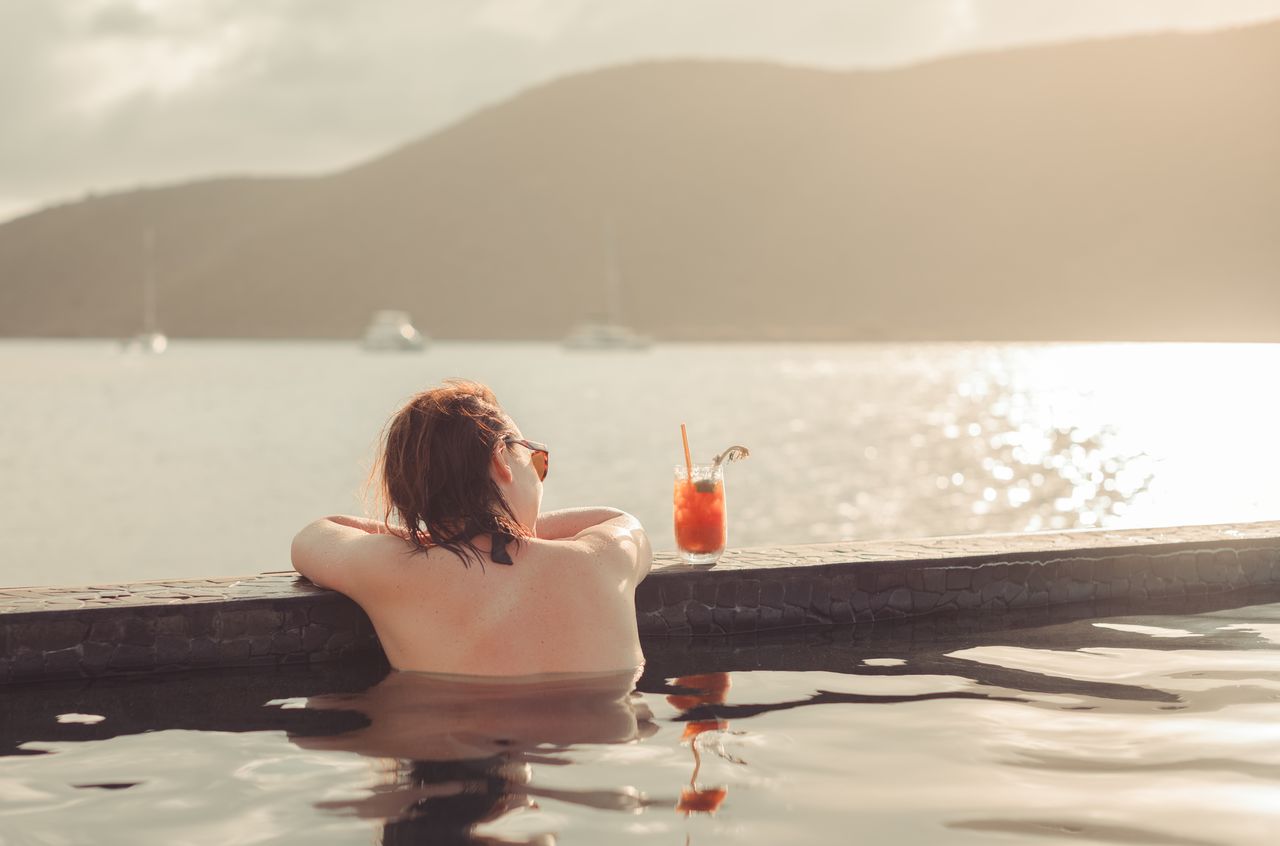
(280, 618)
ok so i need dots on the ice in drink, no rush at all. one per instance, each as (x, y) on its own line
(700, 524)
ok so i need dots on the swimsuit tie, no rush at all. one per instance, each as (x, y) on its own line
(498, 548)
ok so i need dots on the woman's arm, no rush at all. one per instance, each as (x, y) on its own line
(364, 524)
(568, 522)
(619, 542)
(326, 549)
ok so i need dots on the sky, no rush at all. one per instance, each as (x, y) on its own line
(107, 95)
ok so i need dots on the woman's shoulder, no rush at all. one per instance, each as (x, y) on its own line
(616, 547)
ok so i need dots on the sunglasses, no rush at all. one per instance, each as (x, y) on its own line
(541, 455)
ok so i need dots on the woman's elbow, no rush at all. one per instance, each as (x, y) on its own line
(644, 558)
(302, 555)
(639, 550)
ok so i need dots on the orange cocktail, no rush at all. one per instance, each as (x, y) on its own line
(701, 528)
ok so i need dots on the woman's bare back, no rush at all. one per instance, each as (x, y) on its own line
(562, 606)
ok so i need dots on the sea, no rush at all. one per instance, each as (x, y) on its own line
(206, 459)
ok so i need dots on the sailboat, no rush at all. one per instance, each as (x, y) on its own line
(609, 333)
(595, 335)
(150, 339)
(391, 330)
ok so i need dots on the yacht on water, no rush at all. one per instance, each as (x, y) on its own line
(609, 332)
(146, 342)
(393, 331)
(150, 339)
(594, 335)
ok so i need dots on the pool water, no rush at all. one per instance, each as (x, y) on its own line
(1157, 727)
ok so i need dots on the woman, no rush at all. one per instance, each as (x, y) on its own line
(463, 575)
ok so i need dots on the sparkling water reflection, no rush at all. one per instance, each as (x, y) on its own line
(205, 460)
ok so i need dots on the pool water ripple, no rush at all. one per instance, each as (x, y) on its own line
(1151, 728)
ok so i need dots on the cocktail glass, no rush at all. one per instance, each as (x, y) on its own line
(701, 527)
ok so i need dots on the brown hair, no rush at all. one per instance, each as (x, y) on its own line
(434, 463)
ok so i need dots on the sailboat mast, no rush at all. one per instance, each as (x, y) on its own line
(614, 289)
(149, 280)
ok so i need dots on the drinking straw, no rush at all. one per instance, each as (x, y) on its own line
(688, 462)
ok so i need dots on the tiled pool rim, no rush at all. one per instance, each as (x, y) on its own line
(279, 618)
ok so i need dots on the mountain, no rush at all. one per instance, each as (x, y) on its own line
(1121, 189)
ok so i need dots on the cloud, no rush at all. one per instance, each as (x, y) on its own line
(118, 19)
(102, 94)
(535, 20)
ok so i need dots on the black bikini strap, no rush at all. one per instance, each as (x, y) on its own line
(498, 548)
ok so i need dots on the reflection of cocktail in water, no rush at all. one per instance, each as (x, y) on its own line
(701, 529)
(701, 525)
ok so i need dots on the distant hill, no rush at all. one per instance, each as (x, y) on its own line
(1118, 189)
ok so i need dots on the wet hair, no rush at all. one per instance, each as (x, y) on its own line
(481, 787)
(432, 471)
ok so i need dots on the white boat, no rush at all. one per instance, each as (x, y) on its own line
(605, 336)
(608, 332)
(391, 331)
(146, 342)
(150, 340)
